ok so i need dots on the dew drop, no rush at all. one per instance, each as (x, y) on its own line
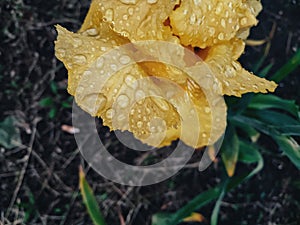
(108, 15)
(92, 32)
(77, 42)
(139, 94)
(207, 110)
(79, 59)
(212, 31)
(139, 124)
(151, 1)
(128, 1)
(193, 19)
(113, 67)
(123, 101)
(110, 113)
(130, 11)
(100, 62)
(124, 59)
(221, 36)
(131, 81)
(121, 117)
(243, 21)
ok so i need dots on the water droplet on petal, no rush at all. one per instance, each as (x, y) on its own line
(100, 62)
(139, 94)
(139, 124)
(110, 113)
(131, 81)
(77, 42)
(130, 11)
(124, 59)
(92, 32)
(207, 110)
(123, 101)
(79, 59)
(128, 1)
(151, 1)
(108, 15)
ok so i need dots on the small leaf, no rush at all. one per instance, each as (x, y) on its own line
(195, 217)
(53, 87)
(52, 113)
(9, 133)
(230, 150)
(290, 147)
(46, 102)
(90, 200)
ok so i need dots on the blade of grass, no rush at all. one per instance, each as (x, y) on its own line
(230, 150)
(288, 68)
(261, 101)
(90, 200)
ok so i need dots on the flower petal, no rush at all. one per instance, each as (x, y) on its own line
(139, 19)
(77, 51)
(234, 79)
(204, 23)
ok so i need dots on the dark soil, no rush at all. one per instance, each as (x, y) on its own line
(48, 192)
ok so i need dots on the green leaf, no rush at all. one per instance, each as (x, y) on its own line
(54, 87)
(248, 153)
(230, 150)
(9, 133)
(290, 147)
(262, 101)
(216, 210)
(265, 70)
(90, 200)
(273, 118)
(52, 113)
(46, 102)
(288, 68)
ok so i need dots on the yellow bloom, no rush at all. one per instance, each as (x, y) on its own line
(124, 90)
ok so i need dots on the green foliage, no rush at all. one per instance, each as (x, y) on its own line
(9, 133)
(90, 200)
(254, 116)
(54, 103)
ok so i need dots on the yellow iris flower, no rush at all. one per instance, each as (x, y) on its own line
(217, 28)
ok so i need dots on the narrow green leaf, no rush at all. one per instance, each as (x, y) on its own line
(290, 130)
(288, 68)
(290, 147)
(273, 118)
(262, 101)
(265, 70)
(216, 210)
(230, 150)
(90, 200)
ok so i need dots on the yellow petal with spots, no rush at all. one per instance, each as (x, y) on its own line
(140, 19)
(233, 78)
(78, 51)
(204, 23)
